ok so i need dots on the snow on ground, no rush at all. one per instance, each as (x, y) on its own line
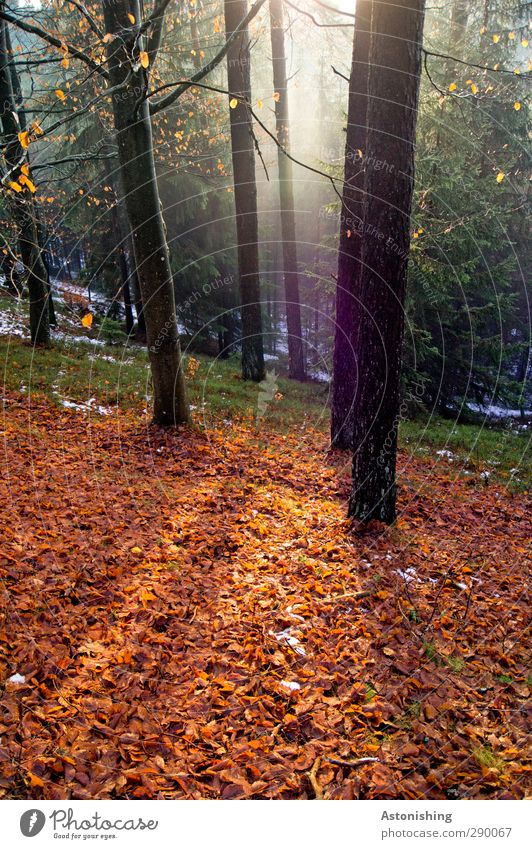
(492, 411)
(12, 325)
(89, 407)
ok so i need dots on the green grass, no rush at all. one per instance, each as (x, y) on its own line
(119, 374)
(485, 757)
(482, 453)
(75, 371)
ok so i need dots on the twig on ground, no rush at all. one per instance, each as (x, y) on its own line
(318, 792)
(352, 764)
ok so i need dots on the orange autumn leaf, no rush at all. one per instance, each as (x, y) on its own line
(35, 781)
(87, 320)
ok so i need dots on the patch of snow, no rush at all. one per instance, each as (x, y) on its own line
(485, 475)
(319, 375)
(11, 325)
(106, 357)
(294, 615)
(90, 406)
(445, 453)
(83, 340)
(291, 685)
(493, 411)
(408, 575)
(17, 679)
(288, 639)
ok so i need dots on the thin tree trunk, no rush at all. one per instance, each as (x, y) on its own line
(45, 255)
(126, 292)
(296, 360)
(351, 237)
(245, 188)
(135, 148)
(393, 97)
(457, 36)
(22, 202)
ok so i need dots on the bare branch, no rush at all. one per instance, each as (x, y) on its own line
(164, 102)
(473, 65)
(343, 76)
(263, 126)
(313, 19)
(88, 17)
(33, 29)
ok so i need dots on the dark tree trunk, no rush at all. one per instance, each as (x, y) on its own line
(22, 202)
(45, 254)
(396, 40)
(351, 237)
(457, 36)
(140, 334)
(9, 269)
(135, 149)
(126, 292)
(245, 187)
(296, 360)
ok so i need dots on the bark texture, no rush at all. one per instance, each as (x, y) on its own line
(393, 97)
(137, 167)
(351, 237)
(296, 360)
(245, 188)
(22, 203)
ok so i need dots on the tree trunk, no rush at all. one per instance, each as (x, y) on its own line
(457, 37)
(135, 149)
(393, 96)
(126, 292)
(245, 188)
(296, 360)
(351, 237)
(45, 255)
(22, 202)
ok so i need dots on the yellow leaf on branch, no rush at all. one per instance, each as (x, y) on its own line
(87, 320)
(144, 59)
(24, 180)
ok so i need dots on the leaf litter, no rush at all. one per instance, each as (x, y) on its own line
(190, 615)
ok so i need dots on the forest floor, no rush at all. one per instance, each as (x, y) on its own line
(189, 614)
